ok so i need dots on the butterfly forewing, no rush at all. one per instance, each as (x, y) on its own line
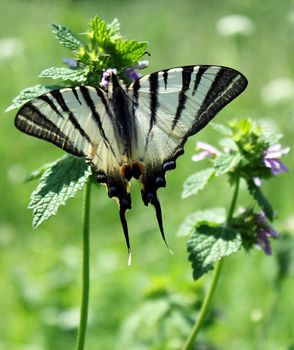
(77, 120)
(170, 106)
(176, 103)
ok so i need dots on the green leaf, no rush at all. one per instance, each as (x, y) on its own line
(209, 244)
(132, 50)
(214, 216)
(79, 75)
(66, 37)
(28, 94)
(220, 128)
(228, 143)
(197, 182)
(114, 29)
(255, 191)
(271, 138)
(98, 30)
(57, 184)
(226, 162)
(36, 174)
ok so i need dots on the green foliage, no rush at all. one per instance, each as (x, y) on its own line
(114, 29)
(261, 200)
(72, 74)
(164, 318)
(105, 48)
(251, 146)
(58, 183)
(66, 37)
(244, 149)
(205, 217)
(226, 163)
(208, 244)
(197, 182)
(36, 174)
(243, 156)
(221, 129)
(27, 95)
(158, 321)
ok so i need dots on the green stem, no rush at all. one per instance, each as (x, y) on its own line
(215, 278)
(86, 269)
(233, 203)
(204, 307)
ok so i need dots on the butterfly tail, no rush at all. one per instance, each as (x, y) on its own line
(151, 197)
(122, 215)
(157, 207)
(118, 188)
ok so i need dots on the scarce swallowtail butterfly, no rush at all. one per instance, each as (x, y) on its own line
(132, 131)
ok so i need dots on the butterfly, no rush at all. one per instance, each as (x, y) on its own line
(135, 131)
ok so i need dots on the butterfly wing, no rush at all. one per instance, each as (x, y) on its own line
(78, 120)
(81, 121)
(170, 106)
(166, 108)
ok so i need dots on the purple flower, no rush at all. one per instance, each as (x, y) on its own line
(263, 242)
(132, 73)
(264, 233)
(206, 151)
(271, 159)
(105, 77)
(70, 62)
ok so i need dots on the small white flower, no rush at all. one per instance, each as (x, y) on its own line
(235, 25)
(10, 47)
(142, 64)
(278, 91)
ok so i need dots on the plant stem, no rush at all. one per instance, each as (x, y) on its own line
(233, 203)
(204, 307)
(215, 278)
(86, 269)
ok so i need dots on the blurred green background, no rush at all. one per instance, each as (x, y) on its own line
(149, 305)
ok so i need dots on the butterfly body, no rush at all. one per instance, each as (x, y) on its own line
(134, 131)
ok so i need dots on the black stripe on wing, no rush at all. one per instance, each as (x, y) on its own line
(153, 89)
(186, 79)
(153, 79)
(51, 104)
(90, 103)
(32, 121)
(74, 91)
(226, 85)
(198, 77)
(57, 95)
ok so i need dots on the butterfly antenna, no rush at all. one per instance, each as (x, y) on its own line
(157, 207)
(124, 224)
